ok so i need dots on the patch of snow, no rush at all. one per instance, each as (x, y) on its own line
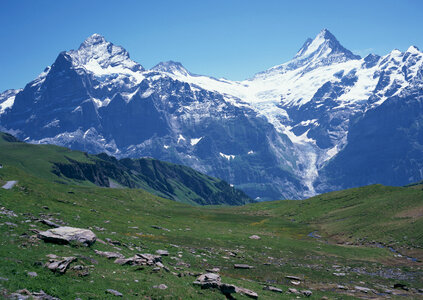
(194, 142)
(227, 156)
(181, 138)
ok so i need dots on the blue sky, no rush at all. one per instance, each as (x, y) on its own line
(223, 38)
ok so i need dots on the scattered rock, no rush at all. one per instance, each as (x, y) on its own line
(362, 289)
(49, 223)
(400, 286)
(213, 270)
(25, 294)
(159, 228)
(45, 207)
(273, 289)
(342, 287)
(162, 252)
(213, 280)
(160, 286)
(242, 266)
(144, 259)
(293, 277)
(108, 254)
(66, 235)
(208, 280)
(247, 292)
(293, 291)
(32, 274)
(60, 266)
(295, 282)
(339, 274)
(307, 293)
(10, 224)
(115, 243)
(254, 237)
(114, 293)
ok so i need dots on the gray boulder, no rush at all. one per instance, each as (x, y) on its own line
(66, 235)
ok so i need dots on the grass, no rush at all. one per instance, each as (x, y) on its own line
(350, 222)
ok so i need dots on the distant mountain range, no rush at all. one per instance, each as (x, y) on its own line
(325, 120)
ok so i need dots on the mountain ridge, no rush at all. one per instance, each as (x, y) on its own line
(271, 135)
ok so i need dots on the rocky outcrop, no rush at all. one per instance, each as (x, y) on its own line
(66, 235)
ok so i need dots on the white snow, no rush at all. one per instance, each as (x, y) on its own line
(195, 141)
(181, 138)
(8, 103)
(227, 156)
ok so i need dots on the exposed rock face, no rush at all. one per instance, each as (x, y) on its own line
(208, 280)
(60, 265)
(292, 131)
(66, 235)
(213, 280)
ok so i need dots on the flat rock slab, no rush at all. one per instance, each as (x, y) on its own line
(273, 289)
(114, 293)
(109, 255)
(242, 266)
(162, 252)
(254, 237)
(293, 277)
(9, 184)
(66, 235)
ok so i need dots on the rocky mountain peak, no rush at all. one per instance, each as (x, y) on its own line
(324, 45)
(172, 67)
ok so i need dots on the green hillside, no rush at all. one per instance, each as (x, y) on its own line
(163, 179)
(337, 243)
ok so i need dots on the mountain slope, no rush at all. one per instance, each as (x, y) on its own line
(164, 179)
(296, 238)
(274, 135)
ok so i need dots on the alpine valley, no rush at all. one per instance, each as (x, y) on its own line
(325, 120)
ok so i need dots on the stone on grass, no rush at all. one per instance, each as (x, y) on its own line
(109, 255)
(307, 293)
(162, 252)
(362, 289)
(242, 266)
(293, 277)
(213, 270)
(208, 280)
(254, 237)
(60, 266)
(32, 274)
(49, 223)
(66, 235)
(160, 286)
(273, 289)
(293, 291)
(114, 293)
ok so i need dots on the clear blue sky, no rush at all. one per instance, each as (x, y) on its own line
(223, 38)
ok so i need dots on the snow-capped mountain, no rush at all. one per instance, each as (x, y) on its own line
(288, 132)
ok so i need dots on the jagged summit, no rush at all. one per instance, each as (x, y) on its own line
(324, 44)
(97, 54)
(172, 67)
(323, 50)
(92, 40)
